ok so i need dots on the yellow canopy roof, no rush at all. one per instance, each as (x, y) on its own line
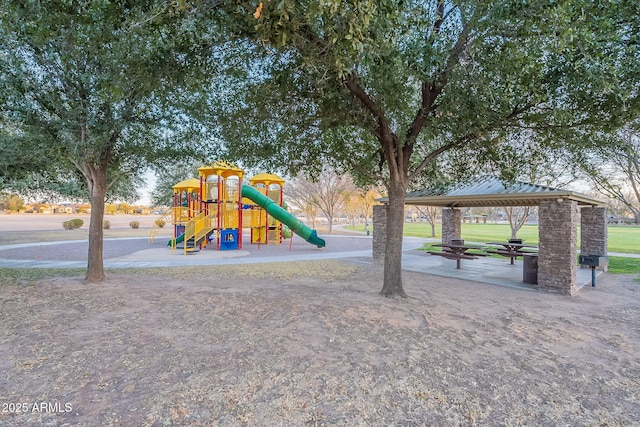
(266, 178)
(187, 184)
(221, 168)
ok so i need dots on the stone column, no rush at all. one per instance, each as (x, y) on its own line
(593, 232)
(558, 232)
(451, 224)
(379, 238)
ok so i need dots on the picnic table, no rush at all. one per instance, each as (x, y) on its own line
(511, 249)
(457, 251)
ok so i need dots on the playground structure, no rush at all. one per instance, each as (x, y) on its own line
(216, 207)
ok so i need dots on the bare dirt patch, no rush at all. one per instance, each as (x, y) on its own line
(314, 344)
(26, 228)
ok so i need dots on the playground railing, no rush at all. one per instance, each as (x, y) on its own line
(197, 229)
(182, 214)
(164, 219)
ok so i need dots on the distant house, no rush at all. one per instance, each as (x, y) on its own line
(65, 208)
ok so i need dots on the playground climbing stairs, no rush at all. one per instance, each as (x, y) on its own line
(197, 230)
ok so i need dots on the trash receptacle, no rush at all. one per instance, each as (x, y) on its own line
(530, 269)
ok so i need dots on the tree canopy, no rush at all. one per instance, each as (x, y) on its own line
(617, 171)
(395, 91)
(99, 90)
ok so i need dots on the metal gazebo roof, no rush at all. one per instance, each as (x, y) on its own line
(491, 191)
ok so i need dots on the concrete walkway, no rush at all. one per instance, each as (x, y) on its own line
(139, 253)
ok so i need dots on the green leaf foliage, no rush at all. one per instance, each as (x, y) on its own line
(400, 92)
(360, 83)
(98, 91)
(101, 83)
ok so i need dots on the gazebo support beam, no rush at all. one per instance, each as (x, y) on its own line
(593, 232)
(451, 225)
(557, 262)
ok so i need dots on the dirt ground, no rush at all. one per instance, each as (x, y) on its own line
(312, 343)
(308, 343)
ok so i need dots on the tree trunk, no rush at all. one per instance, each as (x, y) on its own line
(515, 220)
(393, 252)
(431, 215)
(97, 189)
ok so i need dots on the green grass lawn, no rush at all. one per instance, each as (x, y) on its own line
(621, 265)
(622, 238)
(617, 264)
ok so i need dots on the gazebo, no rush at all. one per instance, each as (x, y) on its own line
(558, 223)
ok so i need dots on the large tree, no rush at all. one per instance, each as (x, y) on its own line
(327, 192)
(168, 176)
(618, 174)
(537, 165)
(98, 89)
(385, 88)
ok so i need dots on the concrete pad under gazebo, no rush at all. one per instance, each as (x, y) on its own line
(558, 223)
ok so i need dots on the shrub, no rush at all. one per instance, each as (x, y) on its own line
(160, 223)
(134, 224)
(72, 224)
(106, 225)
(77, 223)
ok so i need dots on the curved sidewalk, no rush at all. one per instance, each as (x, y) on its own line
(138, 253)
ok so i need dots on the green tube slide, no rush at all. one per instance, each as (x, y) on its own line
(179, 239)
(282, 215)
